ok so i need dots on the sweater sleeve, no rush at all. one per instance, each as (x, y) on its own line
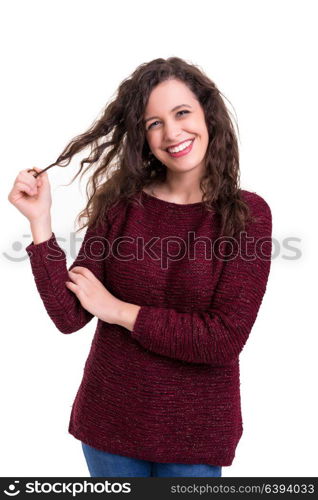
(49, 268)
(216, 336)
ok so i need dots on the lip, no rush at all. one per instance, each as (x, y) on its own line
(179, 143)
(184, 152)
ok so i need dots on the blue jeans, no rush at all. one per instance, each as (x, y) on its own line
(103, 464)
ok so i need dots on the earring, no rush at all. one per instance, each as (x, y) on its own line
(150, 158)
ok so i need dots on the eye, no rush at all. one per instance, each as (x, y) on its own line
(181, 111)
(152, 125)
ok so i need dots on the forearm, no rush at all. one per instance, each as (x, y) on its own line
(49, 268)
(41, 229)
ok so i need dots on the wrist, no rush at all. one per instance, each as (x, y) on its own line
(126, 315)
(41, 229)
(42, 219)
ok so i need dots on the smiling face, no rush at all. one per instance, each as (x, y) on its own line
(173, 115)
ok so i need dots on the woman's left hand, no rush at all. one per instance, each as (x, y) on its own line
(92, 294)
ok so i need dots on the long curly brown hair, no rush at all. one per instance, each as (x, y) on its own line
(121, 160)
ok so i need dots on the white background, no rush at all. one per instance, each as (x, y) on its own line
(61, 62)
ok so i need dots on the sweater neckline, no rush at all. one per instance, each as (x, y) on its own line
(163, 203)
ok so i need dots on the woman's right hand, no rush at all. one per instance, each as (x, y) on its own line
(32, 195)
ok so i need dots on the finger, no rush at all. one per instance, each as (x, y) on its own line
(25, 188)
(34, 174)
(71, 286)
(27, 179)
(79, 279)
(83, 271)
(75, 277)
(80, 294)
(43, 175)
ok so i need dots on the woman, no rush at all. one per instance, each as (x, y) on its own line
(174, 264)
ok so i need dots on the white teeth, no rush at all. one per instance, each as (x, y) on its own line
(180, 148)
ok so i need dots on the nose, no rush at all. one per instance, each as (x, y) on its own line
(172, 131)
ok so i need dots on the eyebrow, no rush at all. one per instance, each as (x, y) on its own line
(173, 109)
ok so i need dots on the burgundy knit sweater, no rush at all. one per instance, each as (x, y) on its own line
(168, 391)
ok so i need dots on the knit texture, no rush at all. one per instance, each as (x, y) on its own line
(168, 391)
